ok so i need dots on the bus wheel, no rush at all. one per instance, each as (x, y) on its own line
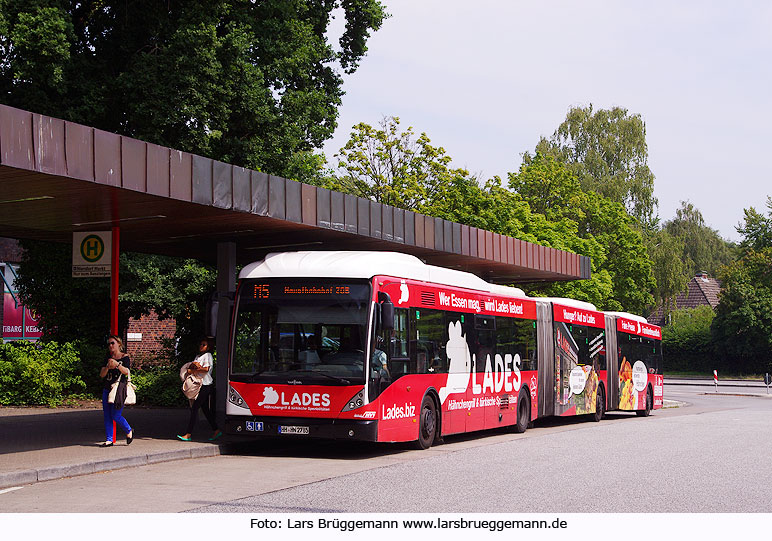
(600, 405)
(427, 423)
(649, 403)
(523, 414)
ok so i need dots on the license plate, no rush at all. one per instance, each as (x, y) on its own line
(293, 430)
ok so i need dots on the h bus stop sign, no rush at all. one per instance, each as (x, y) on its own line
(91, 254)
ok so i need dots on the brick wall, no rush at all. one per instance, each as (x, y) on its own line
(154, 332)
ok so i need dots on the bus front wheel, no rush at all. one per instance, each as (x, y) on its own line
(427, 423)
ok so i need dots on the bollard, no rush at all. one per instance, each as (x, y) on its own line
(767, 381)
(715, 379)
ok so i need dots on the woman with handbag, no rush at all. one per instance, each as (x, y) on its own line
(115, 372)
(202, 367)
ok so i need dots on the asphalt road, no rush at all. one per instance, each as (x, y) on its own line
(709, 455)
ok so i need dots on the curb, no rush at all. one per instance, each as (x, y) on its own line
(754, 395)
(49, 473)
(668, 404)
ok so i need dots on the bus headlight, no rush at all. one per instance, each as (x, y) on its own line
(356, 401)
(236, 405)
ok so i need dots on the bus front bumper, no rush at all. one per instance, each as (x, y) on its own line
(337, 429)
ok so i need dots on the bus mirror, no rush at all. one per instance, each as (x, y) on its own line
(387, 311)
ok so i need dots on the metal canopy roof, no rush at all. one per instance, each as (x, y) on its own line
(57, 177)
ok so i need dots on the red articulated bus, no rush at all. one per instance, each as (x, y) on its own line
(379, 346)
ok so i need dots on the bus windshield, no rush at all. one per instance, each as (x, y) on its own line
(303, 331)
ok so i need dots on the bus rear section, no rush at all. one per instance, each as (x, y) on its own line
(572, 358)
(635, 374)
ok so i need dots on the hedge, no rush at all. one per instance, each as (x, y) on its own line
(37, 373)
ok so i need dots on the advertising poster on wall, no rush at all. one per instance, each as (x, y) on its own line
(19, 323)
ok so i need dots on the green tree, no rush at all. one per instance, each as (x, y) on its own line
(68, 308)
(603, 230)
(392, 166)
(742, 329)
(756, 228)
(254, 83)
(544, 204)
(703, 247)
(79, 308)
(607, 151)
(671, 271)
(687, 342)
(171, 287)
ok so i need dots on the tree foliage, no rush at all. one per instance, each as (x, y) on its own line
(607, 151)
(671, 271)
(68, 308)
(687, 343)
(756, 228)
(393, 167)
(79, 308)
(742, 328)
(602, 229)
(703, 248)
(544, 203)
(254, 83)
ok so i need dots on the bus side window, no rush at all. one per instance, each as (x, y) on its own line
(398, 339)
(430, 342)
(485, 331)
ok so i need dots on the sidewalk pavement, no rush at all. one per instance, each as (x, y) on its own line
(40, 444)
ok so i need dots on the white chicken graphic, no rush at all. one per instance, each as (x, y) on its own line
(460, 362)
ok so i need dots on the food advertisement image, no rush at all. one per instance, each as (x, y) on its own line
(577, 383)
(632, 385)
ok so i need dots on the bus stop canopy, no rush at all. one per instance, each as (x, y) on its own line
(59, 177)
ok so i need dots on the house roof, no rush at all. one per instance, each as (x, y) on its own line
(700, 291)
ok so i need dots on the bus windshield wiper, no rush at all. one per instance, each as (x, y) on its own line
(336, 378)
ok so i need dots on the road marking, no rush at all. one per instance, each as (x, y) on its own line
(3, 491)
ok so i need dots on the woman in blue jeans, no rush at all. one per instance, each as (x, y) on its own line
(116, 367)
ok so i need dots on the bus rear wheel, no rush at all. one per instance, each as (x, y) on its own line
(649, 403)
(600, 405)
(523, 414)
(427, 423)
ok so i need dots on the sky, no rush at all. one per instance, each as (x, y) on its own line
(486, 79)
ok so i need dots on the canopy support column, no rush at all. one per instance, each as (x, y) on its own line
(116, 258)
(226, 284)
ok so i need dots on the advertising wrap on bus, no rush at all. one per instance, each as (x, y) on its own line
(580, 359)
(639, 328)
(387, 357)
(640, 371)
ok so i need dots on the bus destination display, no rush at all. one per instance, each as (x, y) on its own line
(266, 290)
